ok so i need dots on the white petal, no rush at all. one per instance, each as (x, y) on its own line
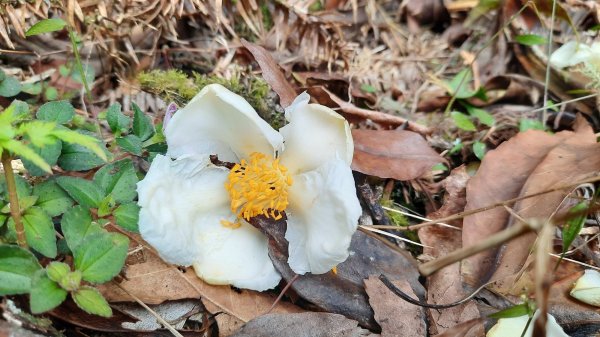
(314, 135)
(234, 256)
(587, 288)
(570, 54)
(217, 121)
(173, 196)
(511, 327)
(322, 217)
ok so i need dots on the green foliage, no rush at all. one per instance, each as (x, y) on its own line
(100, 256)
(462, 121)
(91, 301)
(172, 85)
(530, 124)
(17, 267)
(52, 198)
(530, 39)
(118, 179)
(142, 124)
(77, 224)
(39, 231)
(479, 149)
(117, 121)
(483, 116)
(10, 86)
(131, 144)
(84, 192)
(60, 112)
(574, 225)
(127, 216)
(46, 26)
(45, 294)
(517, 310)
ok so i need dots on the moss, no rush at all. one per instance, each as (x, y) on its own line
(170, 85)
(396, 218)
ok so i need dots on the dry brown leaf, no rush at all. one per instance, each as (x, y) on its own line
(462, 329)
(272, 73)
(395, 316)
(153, 281)
(528, 163)
(398, 154)
(446, 286)
(313, 324)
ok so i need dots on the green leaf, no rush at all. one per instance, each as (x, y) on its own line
(530, 124)
(26, 153)
(106, 206)
(91, 301)
(38, 132)
(368, 88)
(459, 85)
(57, 270)
(60, 112)
(89, 72)
(574, 225)
(483, 116)
(119, 179)
(45, 293)
(462, 121)
(23, 187)
(24, 203)
(142, 125)
(85, 192)
(32, 88)
(46, 26)
(17, 266)
(71, 281)
(51, 94)
(75, 157)
(39, 231)
(439, 167)
(479, 149)
(127, 216)
(117, 121)
(49, 154)
(76, 225)
(52, 198)
(101, 256)
(74, 137)
(10, 87)
(131, 144)
(514, 311)
(2, 75)
(530, 39)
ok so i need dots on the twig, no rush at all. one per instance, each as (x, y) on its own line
(544, 114)
(378, 231)
(15, 211)
(283, 291)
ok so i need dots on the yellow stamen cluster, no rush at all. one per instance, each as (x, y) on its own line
(258, 187)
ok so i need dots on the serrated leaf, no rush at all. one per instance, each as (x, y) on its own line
(46, 26)
(45, 293)
(142, 125)
(17, 267)
(23, 187)
(60, 112)
(52, 198)
(483, 116)
(514, 311)
(101, 256)
(51, 94)
(80, 139)
(106, 206)
(117, 121)
(574, 225)
(127, 216)
(76, 225)
(24, 203)
(131, 144)
(49, 154)
(84, 192)
(57, 270)
(479, 149)
(26, 153)
(91, 301)
(119, 179)
(462, 121)
(31, 88)
(39, 231)
(10, 87)
(530, 39)
(78, 158)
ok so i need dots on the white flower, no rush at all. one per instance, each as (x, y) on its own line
(573, 53)
(587, 288)
(195, 213)
(511, 327)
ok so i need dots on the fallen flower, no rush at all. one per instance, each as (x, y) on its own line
(195, 213)
(587, 288)
(573, 53)
(514, 326)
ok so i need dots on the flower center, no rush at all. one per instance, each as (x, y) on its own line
(257, 187)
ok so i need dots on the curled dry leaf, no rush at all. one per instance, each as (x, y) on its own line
(395, 316)
(398, 154)
(530, 162)
(446, 286)
(314, 324)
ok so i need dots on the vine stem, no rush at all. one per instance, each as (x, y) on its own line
(15, 210)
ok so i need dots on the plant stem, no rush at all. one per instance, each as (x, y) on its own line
(13, 199)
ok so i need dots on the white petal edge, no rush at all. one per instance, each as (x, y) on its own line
(321, 218)
(218, 121)
(238, 256)
(511, 327)
(314, 135)
(172, 197)
(570, 54)
(587, 288)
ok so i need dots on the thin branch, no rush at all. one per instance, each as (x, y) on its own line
(15, 211)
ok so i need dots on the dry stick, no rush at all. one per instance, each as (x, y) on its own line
(287, 286)
(13, 198)
(461, 215)
(152, 312)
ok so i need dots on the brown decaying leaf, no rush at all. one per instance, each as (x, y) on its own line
(395, 316)
(154, 281)
(398, 154)
(528, 163)
(445, 286)
(272, 73)
(313, 324)
(462, 329)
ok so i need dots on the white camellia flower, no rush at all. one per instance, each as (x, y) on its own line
(573, 53)
(195, 213)
(513, 327)
(587, 288)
